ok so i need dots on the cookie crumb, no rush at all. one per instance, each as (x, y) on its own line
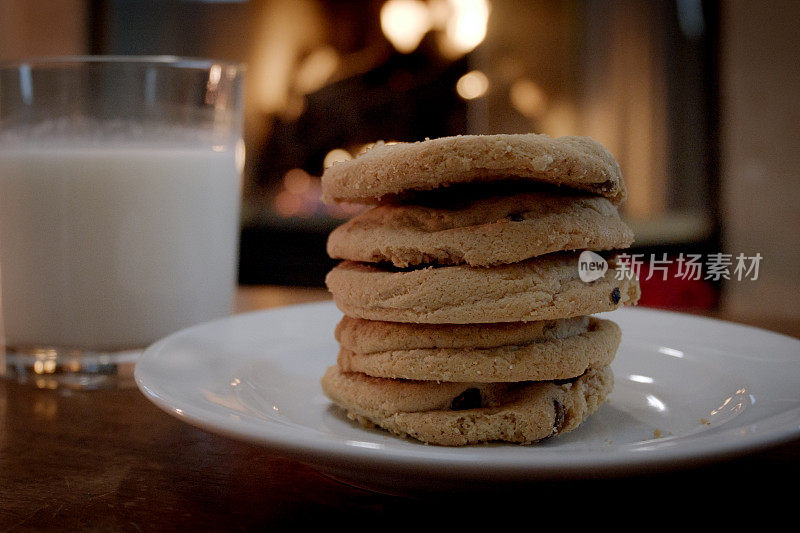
(657, 434)
(705, 421)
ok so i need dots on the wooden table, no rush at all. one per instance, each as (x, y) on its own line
(110, 460)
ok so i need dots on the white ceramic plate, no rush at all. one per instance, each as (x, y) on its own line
(709, 389)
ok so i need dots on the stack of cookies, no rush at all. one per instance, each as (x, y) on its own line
(466, 320)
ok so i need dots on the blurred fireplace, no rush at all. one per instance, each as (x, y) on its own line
(327, 78)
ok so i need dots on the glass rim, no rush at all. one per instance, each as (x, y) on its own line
(183, 62)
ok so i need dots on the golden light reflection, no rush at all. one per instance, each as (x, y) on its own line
(214, 75)
(463, 24)
(560, 118)
(405, 23)
(299, 196)
(239, 156)
(297, 181)
(721, 407)
(45, 362)
(528, 98)
(336, 155)
(316, 69)
(45, 382)
(47, 366)
(472, 85)
(286, 27)
(466, 25)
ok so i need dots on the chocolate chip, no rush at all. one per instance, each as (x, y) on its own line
(469, 399)
(560, 416)
(615, 295)
(516, 217)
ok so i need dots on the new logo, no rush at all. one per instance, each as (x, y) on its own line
(591, 266)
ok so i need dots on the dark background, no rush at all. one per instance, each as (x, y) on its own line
(378, 92)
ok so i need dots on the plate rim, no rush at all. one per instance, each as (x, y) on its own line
(321, 453)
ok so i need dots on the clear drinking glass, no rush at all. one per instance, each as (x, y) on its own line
(120, 185)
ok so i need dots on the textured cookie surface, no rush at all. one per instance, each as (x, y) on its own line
(543, 288)
(485, 231)
(541, 360)
(390, 170)
(385, 397)
(520, 413)
(370, 336)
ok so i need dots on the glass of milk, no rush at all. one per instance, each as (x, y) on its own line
(120, 184)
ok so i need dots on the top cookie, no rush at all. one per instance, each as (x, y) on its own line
(386, 171)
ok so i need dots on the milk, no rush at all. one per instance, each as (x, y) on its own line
(110, 247)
